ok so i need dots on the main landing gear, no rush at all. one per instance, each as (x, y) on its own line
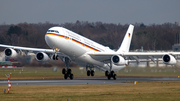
(67, 72)
(110, 74)
(89, 72)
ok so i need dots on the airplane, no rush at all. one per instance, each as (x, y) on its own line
(70, 46)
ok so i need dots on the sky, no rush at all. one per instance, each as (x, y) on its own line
(106, 11)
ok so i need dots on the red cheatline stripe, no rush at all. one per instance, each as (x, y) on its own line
(73, 41)
(85, 45)
(57, 35)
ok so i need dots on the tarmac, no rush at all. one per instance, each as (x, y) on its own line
(83, 81)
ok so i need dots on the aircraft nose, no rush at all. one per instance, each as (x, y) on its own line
(48, 39)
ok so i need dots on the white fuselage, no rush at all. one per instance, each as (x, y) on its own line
(76, 47)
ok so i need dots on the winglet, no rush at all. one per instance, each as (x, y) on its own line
(127, 40)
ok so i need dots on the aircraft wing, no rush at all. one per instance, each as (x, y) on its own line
(33, 50)
(103, 56)
(28, 49)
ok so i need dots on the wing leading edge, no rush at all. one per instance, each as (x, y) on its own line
(29, 49)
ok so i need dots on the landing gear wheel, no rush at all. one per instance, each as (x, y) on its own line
(112, 73)
(69, 71)
(114, 76)
(71, 76)
(109, 77)
(92, 73)
(106, 73)
(63, 71)
(88, 73)
(65, 76)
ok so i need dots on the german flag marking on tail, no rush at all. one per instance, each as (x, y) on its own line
(129, 35)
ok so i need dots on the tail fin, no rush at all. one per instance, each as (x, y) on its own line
(127, 40)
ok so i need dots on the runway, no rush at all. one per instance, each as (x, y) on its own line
(81, 81)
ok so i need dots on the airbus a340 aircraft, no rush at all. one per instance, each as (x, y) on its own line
(70, 46)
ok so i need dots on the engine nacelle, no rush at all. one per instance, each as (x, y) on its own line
(9, 52)
(118, 60)
(42, 57)
(169, 59)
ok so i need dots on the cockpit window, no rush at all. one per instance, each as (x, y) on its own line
(56, 31)
(52, 31)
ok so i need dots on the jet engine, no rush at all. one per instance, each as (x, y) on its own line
(169, 59)
(42, 57)
(118, 60)
(9, 52)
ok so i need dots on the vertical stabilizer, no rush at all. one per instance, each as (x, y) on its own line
(127, 40)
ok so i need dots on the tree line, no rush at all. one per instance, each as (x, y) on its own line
(151, 37)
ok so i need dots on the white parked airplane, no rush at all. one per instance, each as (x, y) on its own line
(70, 46)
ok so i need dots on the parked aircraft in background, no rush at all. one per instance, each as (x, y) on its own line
(70, 46)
